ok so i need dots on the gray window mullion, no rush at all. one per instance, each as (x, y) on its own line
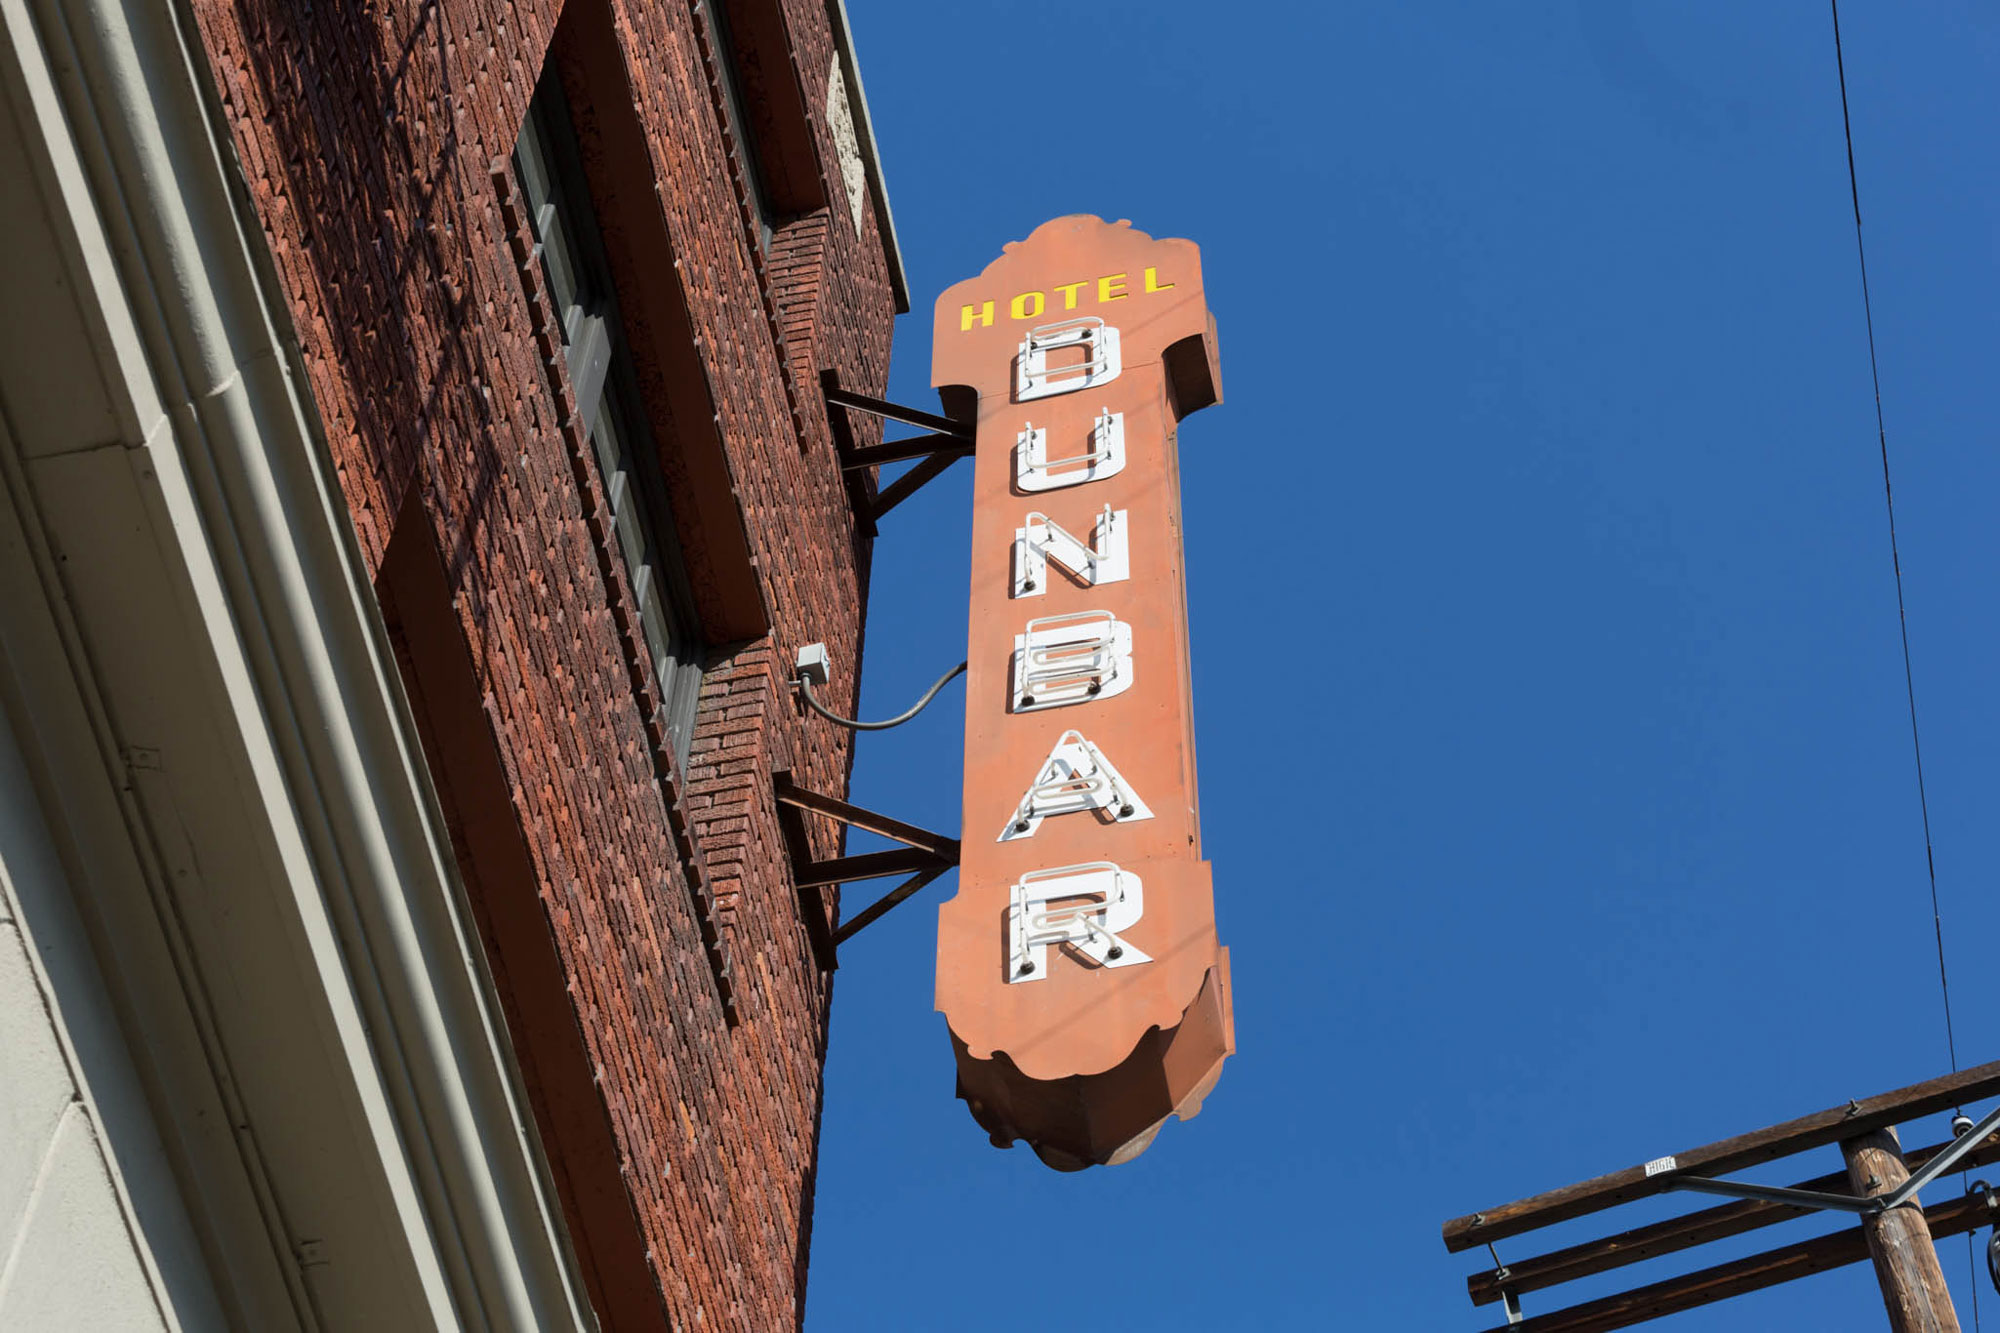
(600, 372)
(589, 354)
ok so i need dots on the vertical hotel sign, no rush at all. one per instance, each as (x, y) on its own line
(1078, 967)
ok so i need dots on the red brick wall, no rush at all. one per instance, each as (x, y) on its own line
(665, 918)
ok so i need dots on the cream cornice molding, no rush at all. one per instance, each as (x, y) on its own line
(274, 620)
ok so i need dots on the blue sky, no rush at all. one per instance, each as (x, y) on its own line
(1555, 762)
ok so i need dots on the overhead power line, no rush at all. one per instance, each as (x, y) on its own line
(1895, 554)
(1902, 614)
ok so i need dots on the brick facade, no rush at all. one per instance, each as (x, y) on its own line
(638, 919)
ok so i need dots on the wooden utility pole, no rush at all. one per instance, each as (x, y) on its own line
(1899, 1240)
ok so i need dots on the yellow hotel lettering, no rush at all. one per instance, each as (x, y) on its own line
(1030, 305)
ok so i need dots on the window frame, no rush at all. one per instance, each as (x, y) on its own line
(547, 164)
(722, 41)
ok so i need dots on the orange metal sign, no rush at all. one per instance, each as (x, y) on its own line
(1078, 967)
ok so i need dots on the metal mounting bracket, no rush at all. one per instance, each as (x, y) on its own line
(1845, 1203)
(1510, 1300)
(924, 856)
(946, 443)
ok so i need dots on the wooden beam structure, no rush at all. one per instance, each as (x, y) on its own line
(1716, 1159)
(1899, 1239)
(1676, 1234)
(1836, 1249)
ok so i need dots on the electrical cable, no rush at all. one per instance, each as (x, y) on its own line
(806, 692)
(1895, 556)
(1896, 560)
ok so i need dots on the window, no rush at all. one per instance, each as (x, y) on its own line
(723, 42)
(550, 172)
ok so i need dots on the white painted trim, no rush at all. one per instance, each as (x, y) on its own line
(37, 895)
(271, 619)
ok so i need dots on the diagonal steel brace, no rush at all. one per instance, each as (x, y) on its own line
(1848, 1203)
(947, 442)
(929, 855)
